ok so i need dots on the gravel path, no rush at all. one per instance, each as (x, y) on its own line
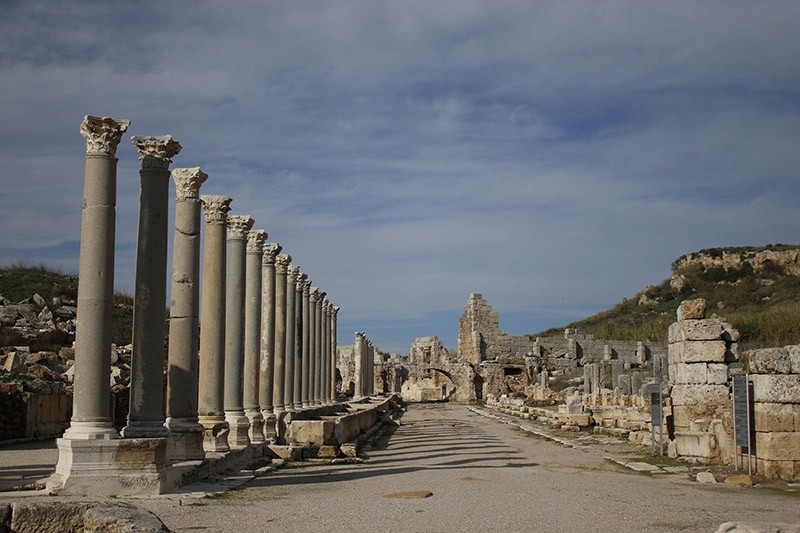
(483, 475)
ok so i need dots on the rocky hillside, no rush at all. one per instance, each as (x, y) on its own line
(757, 290)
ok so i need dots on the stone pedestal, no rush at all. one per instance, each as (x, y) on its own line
(212, 332)
(252, 333)
(266, 381)
(146, 415)
(91, 411)
(238, 227)
(185, 441)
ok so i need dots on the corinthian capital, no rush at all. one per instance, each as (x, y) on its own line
(255, 241)
(300, 280)
(239, 225)
(156, 151)
(306, 286)
(188, 182)
(282, 263)
(216, 207)
(291, 274)
(313, 294)
(335, 311)
(102, 134)
(271, 251)
(320, 299)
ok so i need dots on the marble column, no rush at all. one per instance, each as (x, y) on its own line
(297, 390)
(212, 326)
(325, 353)
(306, 379)
(238, 228)
(334, 352)
(370, 367)
(91, 401)
(358, 359)
(146, 410)
(252, 333)
(185, 432)
(313, 295)
(281, 267)
(319, 398)
(265, 382)
(289, 358)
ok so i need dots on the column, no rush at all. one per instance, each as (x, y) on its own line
(291, 296)
(281, 267)
(306, 379)
(325, 354)
(252, 333)
(186, 433)
(265, 383)
(358, 371)
(319, 399)
(370, 368)
(212, 326)
(146, 411)
(334, 352)
(297, 389)
(313, 295)
(91, 402)
(238, 228)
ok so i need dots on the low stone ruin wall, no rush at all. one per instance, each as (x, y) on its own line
(89, 517)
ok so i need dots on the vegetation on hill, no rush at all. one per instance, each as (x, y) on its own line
(20, 281)
(763, 303)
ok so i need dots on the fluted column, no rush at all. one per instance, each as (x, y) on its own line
(252, 333)
(91, 401)
(319, 399)
(238, 228)
(358, 359)
(306, 379)
(265, 383)
(334, 351)
(281, 267)
(212, 326)
(146, 410)
(313, 295)
(297, 389)
(291, 285)
(186, 433)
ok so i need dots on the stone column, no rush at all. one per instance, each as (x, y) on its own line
(252, 333)
(359, 356)
(212, 326)
(334, 352)
(146, 411)
(265, 383)
(325, 354)
(186, 433)
(238, 228)
(306, 379)
(299, 333)
(313, 296)
(319, 399)
(371, 370)
(91, 402)
(288, 386)
(281, 267)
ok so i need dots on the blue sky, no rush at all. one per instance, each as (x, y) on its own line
(553, 156)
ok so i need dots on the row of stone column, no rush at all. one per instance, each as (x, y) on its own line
(268, 339)
(364, 367)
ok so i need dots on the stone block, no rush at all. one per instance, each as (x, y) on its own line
(788, 470)
(696, 444)
(794, 357)
(703, 352)
(675, 353)
(699, 330)
(47, 516)
(776, 388)
(717, 374)
(120, 517)
(700, 396)
(776, 417)
(683, 374)
(769, 361)
(778, 445)
(692, 309)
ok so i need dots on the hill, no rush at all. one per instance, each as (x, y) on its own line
(756, 289)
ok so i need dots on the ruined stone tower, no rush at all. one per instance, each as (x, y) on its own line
(478, 329)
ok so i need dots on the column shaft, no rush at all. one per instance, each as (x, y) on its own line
(307, 380)
(281, 264)
(297, 390)
(265, 388)
(252, 333)
(312, 346)
(288, 391)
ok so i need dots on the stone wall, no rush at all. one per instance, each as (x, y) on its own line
(478, 330)
(40, 413)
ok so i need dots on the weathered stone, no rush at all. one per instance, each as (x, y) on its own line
(778, 445)
(699, 395)
(47, 517)
(794, 357)
(703, 352)
(693, 373)
(121, 517)
(701, 330)
(776, 416)
(705, 477)
(751, 527)
(409, 495)
(776, 388)
(717, 374)
(769, 361)
(740, 480)
(692, 309)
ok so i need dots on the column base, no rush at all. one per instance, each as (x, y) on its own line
(298, 406)
(91, 431)
(103, 468)
(239, 428)
(270, 433)
(215, 434)
(256, 433)
(185, 440)
(145, 429)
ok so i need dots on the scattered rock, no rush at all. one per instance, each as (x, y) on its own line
(694, 309)
(740, 527)
(741, 480)
(705, 477)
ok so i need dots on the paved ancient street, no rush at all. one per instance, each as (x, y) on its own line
(484, 476)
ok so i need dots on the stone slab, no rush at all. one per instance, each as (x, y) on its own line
(778, 445)
(769, 361)
(776, 388)
(776, 417)
(696, 444)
